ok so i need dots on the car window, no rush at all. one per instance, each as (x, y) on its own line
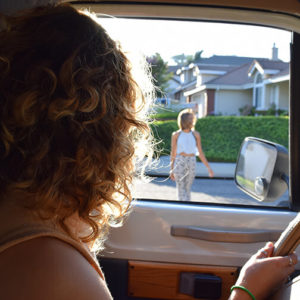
(234, 77)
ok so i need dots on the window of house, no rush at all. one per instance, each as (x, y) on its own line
(236, 80)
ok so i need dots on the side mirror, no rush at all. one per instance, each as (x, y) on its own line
(262, 169)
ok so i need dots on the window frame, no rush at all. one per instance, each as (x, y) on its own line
(237, 15)
(294, 125)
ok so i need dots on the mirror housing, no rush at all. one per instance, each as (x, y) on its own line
(262, 169)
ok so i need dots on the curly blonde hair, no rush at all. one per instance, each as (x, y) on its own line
(71, 118)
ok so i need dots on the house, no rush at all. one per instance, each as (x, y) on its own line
(173, 83)
(229, 85)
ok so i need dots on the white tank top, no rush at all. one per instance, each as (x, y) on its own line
(186, 142)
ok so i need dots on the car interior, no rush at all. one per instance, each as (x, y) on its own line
(168, 249)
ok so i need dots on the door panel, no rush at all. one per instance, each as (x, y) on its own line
(146, 234)
(142, 260)
(170, 280)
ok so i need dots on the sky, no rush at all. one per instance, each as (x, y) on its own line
(171, 38)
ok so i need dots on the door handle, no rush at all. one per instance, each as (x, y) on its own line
(225, 236)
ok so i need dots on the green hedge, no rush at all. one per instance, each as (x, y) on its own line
(222, 136)
(165, 116)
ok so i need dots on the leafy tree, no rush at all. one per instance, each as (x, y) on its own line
(160, 73)
(197, 55)
(183, 59)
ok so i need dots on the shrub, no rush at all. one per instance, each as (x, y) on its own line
(162, 131)
(165, 116)
(247, 110)
(222, 136)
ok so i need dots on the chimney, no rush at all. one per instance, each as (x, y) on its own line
(274, 52)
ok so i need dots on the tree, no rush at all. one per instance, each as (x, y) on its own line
(182, 59)
(186, 59)
(159, 69)
(197, 55)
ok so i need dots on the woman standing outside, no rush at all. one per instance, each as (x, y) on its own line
(185, 145)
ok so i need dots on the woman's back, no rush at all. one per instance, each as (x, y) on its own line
(186, 142)
(40, 262)
(48, 268)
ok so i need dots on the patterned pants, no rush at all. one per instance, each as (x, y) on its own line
(184, 173)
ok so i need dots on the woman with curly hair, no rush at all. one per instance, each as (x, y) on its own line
(72, 125)
(72, 129)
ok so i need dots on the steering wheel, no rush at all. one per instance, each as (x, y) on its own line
(286, 244)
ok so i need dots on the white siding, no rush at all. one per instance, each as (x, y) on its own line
(202, 78)
(200, 99)
(269, 96)
(272, 95)
(187, 76)
(182, 98)
(229, 101)
(283, 95)
(172, 86)
(277, 93)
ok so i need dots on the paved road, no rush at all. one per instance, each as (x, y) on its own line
(203, 190)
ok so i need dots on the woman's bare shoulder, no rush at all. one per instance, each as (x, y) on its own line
(175, 133)
(196, 133)
(47, 268)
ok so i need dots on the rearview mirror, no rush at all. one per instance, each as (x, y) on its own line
(262, 169)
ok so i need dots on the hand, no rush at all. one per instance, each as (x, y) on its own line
(172, 176)
(262, 275)
(210, 173)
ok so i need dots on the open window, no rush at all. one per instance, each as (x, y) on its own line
(235, 77)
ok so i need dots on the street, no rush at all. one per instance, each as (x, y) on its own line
(203, 190)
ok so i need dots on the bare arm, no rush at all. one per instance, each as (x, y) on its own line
(201, 153)
(264, 274)
(173, 152)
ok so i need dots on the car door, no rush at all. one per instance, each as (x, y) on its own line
(163, 244)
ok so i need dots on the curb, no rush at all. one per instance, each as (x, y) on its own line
(161, 168)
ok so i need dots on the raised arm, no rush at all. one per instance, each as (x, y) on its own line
(263, 274)
(201, 153)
